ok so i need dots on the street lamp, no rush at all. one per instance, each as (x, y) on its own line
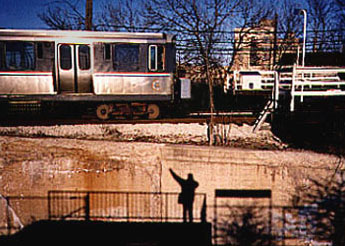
(296, 12)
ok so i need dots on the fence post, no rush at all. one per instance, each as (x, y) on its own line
(284, 224)
(87, 206)
(203, 213)
(276, 89)
(8, 215)
(127, 203)
(215, 214)
(166, 207)
(294, 75)
(49, 204)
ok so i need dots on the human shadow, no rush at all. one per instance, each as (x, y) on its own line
(186, 197)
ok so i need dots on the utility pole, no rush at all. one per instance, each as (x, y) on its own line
(304, 12)
(275, 40)
(304, 35)
(88, 15)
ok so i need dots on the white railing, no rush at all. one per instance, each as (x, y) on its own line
(263, 80)
(316, 81)
(268, 79)
(301, 82)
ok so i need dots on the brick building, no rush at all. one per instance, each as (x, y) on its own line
(259, 48)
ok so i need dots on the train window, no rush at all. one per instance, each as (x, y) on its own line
(65, 57)
(106, 51)
(20, 56)
(153, 57)
(84, 57)
(2, 56)
(126, 57)
(39, 50)
(156, 58)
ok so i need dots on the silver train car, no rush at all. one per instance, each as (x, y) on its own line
(116, 73)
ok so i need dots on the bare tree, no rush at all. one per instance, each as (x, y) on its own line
(323, 25)
(287, 30)
(340, 16)
(64, 15)
(206, 37)
(200, 25)
(249, 14)
(340, 9)
(123, 15)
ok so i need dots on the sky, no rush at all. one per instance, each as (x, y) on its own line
(22, 14)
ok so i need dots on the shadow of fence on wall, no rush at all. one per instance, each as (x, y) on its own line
(19, 211)
(121, 206)
(280, 225)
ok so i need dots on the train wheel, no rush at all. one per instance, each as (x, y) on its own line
(103, 111)
(153, 111)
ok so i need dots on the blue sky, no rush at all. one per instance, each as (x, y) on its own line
(22, 14)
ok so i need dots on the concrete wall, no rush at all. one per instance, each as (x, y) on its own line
(226, 168)
(32, 167)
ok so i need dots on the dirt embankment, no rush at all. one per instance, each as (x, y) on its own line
(230, 135)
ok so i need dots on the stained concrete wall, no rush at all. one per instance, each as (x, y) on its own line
(32, 167)
(229, 168)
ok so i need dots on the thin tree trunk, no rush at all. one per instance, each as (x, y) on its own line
(210, 87)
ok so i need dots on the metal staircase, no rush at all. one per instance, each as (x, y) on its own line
(268, 109)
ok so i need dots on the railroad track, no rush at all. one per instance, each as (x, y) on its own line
(198, 118)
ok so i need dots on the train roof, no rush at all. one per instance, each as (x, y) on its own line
(77, 35)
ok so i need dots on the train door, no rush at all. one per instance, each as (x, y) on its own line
(74, 68)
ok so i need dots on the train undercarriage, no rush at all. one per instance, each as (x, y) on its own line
(103, 110)
(128, 110)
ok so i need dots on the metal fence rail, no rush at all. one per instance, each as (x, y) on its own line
(120, 206)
